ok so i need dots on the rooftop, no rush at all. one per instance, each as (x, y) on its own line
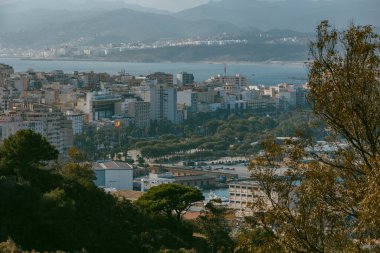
(193, 177)
(111, 165)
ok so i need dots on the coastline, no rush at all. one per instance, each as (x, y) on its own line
(291, 63)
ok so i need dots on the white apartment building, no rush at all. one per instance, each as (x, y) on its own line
(8, 128)
(140, 112)
(100, 105)
(77, 121)
(48, 121)
(245, 193)
(163, 103)
(237, 80)
(188, 98)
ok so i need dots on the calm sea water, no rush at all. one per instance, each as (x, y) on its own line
(258, 73)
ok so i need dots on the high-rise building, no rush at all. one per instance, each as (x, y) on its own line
(77, 120)
(163, 103)
(140, 112)
(100, 105)
(161, 78)
(5, 72)
(188, 98)
(237, 80)
(185, 78)
(43, 119)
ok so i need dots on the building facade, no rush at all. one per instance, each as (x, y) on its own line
(115, 175)
(163, 103)
(140, 112)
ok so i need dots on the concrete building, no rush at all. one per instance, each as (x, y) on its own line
(163, 103)
(301, 96)
(245, 193)
(231, 89)
(9, 126)
(234, 105)
(77, 119)
(115, 175)
(188, 98)
(143, 91)
(185, 78)
(46, 120)
(4, 98)
(161, 78)
(100, 105)
(203, 181)
(140, 112)
(262, 105)
(237, 80)
(5, 72)
(53, 121)
(125, 106)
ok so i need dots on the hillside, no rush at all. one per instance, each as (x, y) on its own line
(122, 25)
(299, 15)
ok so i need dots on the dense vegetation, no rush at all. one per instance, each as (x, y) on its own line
(46, 206)
(330, 203)
(206, 135)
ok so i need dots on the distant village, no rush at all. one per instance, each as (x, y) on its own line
(75, 50)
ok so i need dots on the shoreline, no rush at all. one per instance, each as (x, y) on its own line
(291, 63)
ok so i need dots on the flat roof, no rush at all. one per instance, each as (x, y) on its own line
(111, 165)
(193, 177)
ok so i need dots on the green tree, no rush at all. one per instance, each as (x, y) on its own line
(169, 198)
(76, 154)
(213, 225)
(26, 147)
(24, 155)
(330, 204)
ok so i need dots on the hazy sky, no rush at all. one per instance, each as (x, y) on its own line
(171, 5)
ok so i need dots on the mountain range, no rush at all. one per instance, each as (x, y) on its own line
(46, 23)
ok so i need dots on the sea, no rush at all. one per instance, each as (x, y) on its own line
(270, 73)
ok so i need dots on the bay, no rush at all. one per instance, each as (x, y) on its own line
(258, 73)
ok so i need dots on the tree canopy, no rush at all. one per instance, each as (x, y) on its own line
(331, 202)
(49, 207)
(169, 198)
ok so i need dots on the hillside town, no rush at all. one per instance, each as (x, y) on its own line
(61, 106)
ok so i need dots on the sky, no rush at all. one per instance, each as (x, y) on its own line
(168, 5)
(171, 5)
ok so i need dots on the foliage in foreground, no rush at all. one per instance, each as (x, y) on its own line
(169, 199)
(331, 202)
(47, 207)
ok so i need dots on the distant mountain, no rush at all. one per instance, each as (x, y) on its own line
(16, 6)
(299, 15)
(274, 30)
(50, 28)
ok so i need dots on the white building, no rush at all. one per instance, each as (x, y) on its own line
(77, 119)
(163, 103)
(237, 80)
(111, 174)
(8, 128)
(46, 120)
(244, 194)
(188, 98)
(100, 105)
(140, 112)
